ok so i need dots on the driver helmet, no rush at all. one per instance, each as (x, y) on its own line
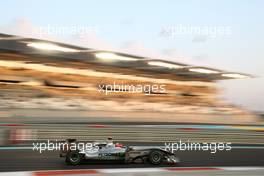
(110, 141)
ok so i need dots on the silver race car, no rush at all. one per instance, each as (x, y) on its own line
(109, 151)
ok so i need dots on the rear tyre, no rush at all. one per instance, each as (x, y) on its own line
(155, 157)
(73, 158)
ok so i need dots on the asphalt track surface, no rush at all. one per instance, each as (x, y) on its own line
(28, 160)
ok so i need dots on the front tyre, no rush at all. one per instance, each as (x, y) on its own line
(155, 157)
(73, 158)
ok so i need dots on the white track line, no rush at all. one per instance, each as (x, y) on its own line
(131, 170)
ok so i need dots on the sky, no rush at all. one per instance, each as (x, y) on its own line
(224, 34)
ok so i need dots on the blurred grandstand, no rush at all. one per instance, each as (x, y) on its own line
(50, 78)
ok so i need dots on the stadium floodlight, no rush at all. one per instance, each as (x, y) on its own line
(164, 64)
(112, 56)
(49, 46)
(234, 75)
(203, 70)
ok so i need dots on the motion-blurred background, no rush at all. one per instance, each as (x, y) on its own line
(49, 90)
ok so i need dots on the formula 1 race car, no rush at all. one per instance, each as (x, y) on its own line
(108, 151)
